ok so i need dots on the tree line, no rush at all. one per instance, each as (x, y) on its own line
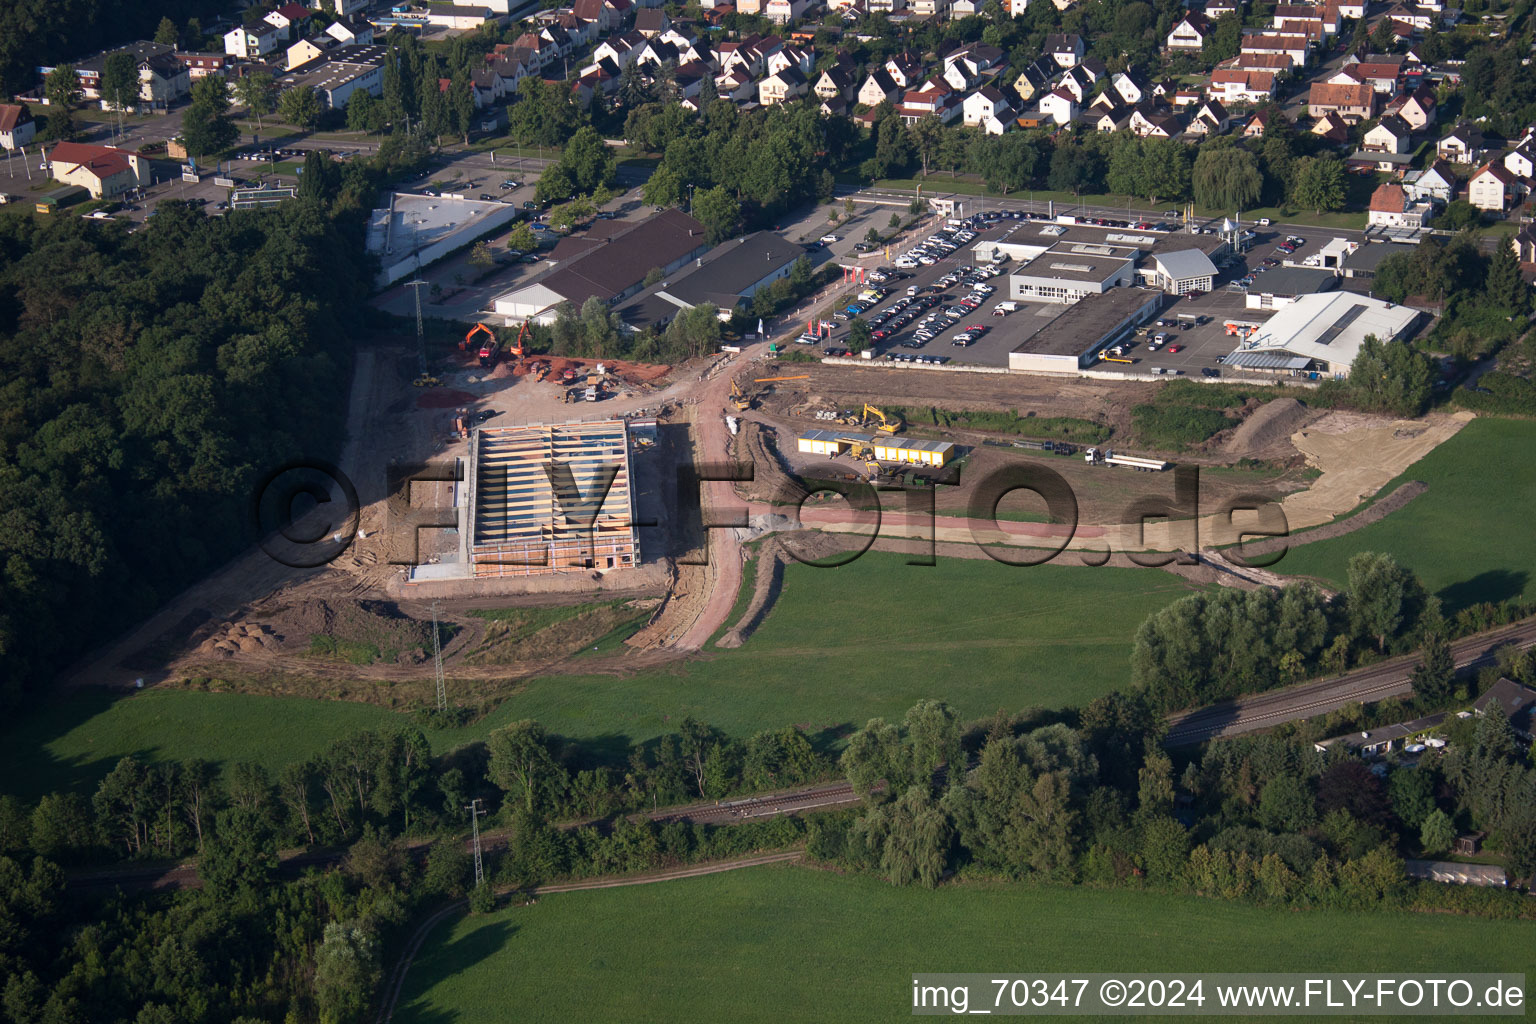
(1092, 799)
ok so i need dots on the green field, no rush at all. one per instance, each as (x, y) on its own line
(1469, 536)
(842, 645)
(793, 944)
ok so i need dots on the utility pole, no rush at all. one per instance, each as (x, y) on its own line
(474, 824)
(437, 662)
(421, 341)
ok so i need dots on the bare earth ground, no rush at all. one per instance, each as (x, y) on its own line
(233, 624)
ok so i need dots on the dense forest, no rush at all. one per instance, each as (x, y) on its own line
(41, 33)
(147, 380)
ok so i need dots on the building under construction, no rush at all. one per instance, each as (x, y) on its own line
(552, 499)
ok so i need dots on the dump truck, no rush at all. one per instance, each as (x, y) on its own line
(568, 376)
(1107, 457)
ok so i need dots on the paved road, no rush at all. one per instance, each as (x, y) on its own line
(1372, 683)
(396, 980)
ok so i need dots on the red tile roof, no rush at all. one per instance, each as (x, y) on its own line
(102, 161)
(1388, 199)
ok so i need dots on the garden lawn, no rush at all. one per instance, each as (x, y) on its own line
(841, 646)
(786, 943)
(1469, 536)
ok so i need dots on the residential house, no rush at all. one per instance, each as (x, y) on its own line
(290, 19)
(935, 98)
(879, 88)
(1210, 119)
(1293, 48)
(1187, 96)
(342, 8)
(1149, 122)
(1463, 144)
(1066, 49)
(1231, 85)
(1436, 182)
(1382, 71)
(17, 126)
(1521, 161)
(905, 69)
(1417, 107)
(1331, 127)
(623, 49)
(1032, 81)
(1389, 135)
(652, 22)
(1353, 103)
(1259, 123)
(836, 82)
(1076, 81)
(1016, 8)
(1131, 87)
(351, 30)
(887, 6)
(598, 12)
(802, 60)
(201, 65)
(1353, 10)
(736, 85)
(103, 171)
(1517, 703)
(930, 8)
(254, 42)
(1059, 105)
(1391, 208)
(1189, 32)
(1524, 244)
(1115, 120)
(306, 50)
(163, 77)
(988, 109)
(965, 67)
(1326, 16)
(1275, 62)
(1492, 189)
(782, 12)
(783, 86)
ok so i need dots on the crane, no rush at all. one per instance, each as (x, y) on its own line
(887, 424)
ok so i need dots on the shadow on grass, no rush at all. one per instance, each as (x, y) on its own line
(444, 962)
(29, 769)
(1493, 586)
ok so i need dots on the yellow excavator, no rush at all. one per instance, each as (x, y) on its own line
(740, 398)
(883, 424)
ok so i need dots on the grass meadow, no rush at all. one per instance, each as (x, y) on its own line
(1469, 536)
(841, 646)
(787, 943)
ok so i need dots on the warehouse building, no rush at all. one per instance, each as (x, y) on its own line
(610, 260)
(725, 277)
(905, 450)
(1072, 341)
(1320, 335)
(552, 499)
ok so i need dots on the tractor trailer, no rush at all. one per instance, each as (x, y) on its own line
(1107, 457)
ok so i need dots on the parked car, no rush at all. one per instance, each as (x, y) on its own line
(828, 239)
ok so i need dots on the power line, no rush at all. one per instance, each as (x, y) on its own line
(421, 342)
(474, 822)
(437, 662)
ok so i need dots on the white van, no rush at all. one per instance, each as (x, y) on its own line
(1004, 308)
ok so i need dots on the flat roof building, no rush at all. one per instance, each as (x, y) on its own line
(1070, 271)
(1282, 286)
(552, 499)
(1069, 342)
(906, 450)
(1182, 271)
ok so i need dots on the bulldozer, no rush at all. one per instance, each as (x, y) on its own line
(882, 423)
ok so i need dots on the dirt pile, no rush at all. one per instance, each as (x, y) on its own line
(380, 624)
(231, 638)
(1270, 426)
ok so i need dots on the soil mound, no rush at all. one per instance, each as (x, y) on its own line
(1271, 424)
(379, 623)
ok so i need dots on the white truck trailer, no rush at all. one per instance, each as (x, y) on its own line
(1107, 457)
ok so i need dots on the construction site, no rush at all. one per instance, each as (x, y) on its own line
(507, 479)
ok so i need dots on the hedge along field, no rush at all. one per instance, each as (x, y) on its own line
(789, 943)
(1469, 536)
(841, 646)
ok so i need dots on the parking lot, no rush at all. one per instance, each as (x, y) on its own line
(1200, 347)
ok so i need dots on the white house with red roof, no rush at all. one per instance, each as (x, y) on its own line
(103, 171)
(17, 126)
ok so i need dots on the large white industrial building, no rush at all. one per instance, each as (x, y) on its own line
(1322, 334)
